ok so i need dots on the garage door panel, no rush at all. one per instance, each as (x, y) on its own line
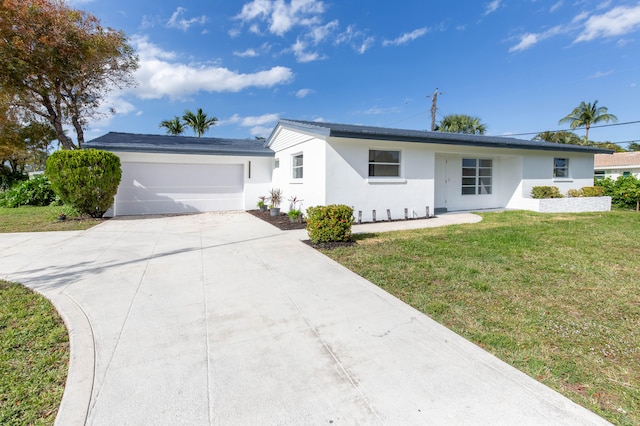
(148, 188)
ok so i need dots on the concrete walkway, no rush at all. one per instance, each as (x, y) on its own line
(223, 319)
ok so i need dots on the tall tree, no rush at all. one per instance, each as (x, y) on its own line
(199, 121)
(561, 136)
(174, 126)
(634, 146)
(587, 114)
(59, 63)
(461, 123)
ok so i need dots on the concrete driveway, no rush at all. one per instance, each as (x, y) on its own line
(223, 319)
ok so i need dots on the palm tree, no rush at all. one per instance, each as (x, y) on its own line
(461, 123)
(199, 121)
(174, 126)
(587, 114)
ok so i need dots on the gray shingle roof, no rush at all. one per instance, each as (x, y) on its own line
(402, 135)
(129, 142)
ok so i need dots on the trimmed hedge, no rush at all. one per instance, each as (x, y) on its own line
(539, 192)
(327, 224)
(592, 191)
(85, 179)
(586, 191)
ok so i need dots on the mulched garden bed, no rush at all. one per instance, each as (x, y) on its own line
(281, 221)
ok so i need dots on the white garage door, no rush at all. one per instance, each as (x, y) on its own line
(154, 188)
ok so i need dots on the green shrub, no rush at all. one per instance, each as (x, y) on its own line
(327, 224)
(32, 192)
(545, 192)
(85, 179)
(573, 193)
(624, 191)
(592, 191)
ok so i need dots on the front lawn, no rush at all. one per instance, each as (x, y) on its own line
(555, 295)
(37, 219)
(34, 357)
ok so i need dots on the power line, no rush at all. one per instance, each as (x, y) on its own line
(569, 130)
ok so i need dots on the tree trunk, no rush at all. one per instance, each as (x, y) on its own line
(79, 131)
(54, 117)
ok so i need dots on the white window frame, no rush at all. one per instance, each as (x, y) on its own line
(380, 177)
(479, 175)
(295, 168)
(566, 168)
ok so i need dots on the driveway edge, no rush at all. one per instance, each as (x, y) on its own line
(74, 407)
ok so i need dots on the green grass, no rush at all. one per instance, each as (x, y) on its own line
(557, 296)
(34, 356)
(38, 219)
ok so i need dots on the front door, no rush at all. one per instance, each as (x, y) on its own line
(441, 184)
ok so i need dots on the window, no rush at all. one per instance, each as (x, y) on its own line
(384, 163)
(276, 163)
(560, 167)
(477, 176)
(296, 166)
(599, 174)
(626, 174)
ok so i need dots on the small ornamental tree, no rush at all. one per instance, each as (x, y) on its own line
(86, 179)
(327, 224)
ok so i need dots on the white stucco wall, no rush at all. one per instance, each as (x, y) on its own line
(311, 189)
(538, 171)
(348, 181)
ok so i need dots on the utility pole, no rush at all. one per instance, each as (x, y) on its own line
(434, 107)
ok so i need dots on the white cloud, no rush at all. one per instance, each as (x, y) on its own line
(556, 6)
(302, 93)
(406, 37)
(358, 40)
(319, 33)
(616, 22)
(282, 16)
(249, 53)
(258, 124)
(74, 3)
(379, 111)
(299, 49)
(251, 121)
(624, 41)
(261, 131)
(530, 39)
(178, 21)
(600, 74)
(160, 75)
(492, 7)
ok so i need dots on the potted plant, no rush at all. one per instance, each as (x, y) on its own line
(261, 203)
(295, 213)
(275, 198)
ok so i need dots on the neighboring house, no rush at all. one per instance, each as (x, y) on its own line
(368, 168)
(616, 165)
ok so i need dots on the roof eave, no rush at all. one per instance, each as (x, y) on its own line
(474, 142)
(179, 150)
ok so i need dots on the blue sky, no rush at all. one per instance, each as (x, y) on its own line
(518, 65)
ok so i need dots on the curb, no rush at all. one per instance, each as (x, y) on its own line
(74, 407)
